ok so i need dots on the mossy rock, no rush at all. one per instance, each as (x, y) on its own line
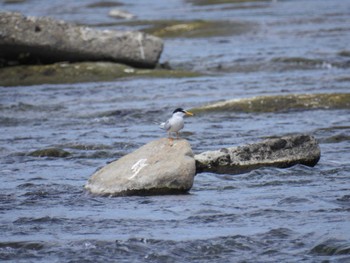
(218, 2)
(50, 152)
(280, 103)
(13, 1)
(337, 138)
(299, 60)
(344, 53)
(332, 247)
(197, 28)
(186, 28)
(59, 73)
(104, 4)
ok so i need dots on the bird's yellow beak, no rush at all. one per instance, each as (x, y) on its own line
(189, 113)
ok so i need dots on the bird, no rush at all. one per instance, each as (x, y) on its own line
(176, 122)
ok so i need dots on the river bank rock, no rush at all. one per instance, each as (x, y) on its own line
(63, 72)
(158, 167)
(45, 40)
(278, 103)
(280, 152)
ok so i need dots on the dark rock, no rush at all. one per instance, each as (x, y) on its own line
(159, 167)
(50, 152)
(278, 152)
(45, 40)
(104, 4)
(13, 1)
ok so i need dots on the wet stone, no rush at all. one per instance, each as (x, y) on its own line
(104, 4)
(50, 152)
(218, 2)
(276, 152)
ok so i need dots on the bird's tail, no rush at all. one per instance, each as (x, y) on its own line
(160, 124)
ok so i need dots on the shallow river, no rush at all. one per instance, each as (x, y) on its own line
(267, 215)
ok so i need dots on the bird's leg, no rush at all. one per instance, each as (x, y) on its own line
(170, 139)
(177, 135)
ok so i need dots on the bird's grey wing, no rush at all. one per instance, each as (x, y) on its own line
(165, 125)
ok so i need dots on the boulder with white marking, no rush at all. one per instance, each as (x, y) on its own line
(159, 167)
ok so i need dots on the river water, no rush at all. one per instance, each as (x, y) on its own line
(267, 215)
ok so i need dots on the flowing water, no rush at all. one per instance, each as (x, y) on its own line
(267, 215)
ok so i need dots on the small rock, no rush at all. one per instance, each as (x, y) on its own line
(104, 4)
(280, 152)
(13, 1)
(158, 167)
(118, 13)
(50, 152)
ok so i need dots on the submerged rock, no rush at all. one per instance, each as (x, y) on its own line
(45, 40)
(50, 152)
(277, 152)
(189, 28)
(281, 103)
(13, 1)
(104, 4)
(59, 73)
(156, 168)
(218, 2)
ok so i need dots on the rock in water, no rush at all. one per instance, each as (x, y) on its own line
(277, 103)
(45, 40)
(156, 168)
(278, 152)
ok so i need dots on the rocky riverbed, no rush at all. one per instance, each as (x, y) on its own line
(284, 71)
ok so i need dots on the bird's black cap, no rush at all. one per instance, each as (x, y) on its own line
(179, 110)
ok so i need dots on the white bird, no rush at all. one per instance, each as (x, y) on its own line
(176, 122)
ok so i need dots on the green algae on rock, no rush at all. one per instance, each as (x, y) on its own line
(197, 28)
(13, 1)
(218, 2)
(50, 152)
(298, 60)
(104, 4)
(278, 103)
(60, 73)
(187, 28)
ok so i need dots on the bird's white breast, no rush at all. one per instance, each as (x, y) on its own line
(176, 123)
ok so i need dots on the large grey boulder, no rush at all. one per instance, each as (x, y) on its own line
(159, 167)
(45, 40)
(278, 152)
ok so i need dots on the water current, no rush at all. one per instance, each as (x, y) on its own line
(267, 215)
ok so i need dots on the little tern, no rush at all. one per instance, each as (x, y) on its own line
(176, 122)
